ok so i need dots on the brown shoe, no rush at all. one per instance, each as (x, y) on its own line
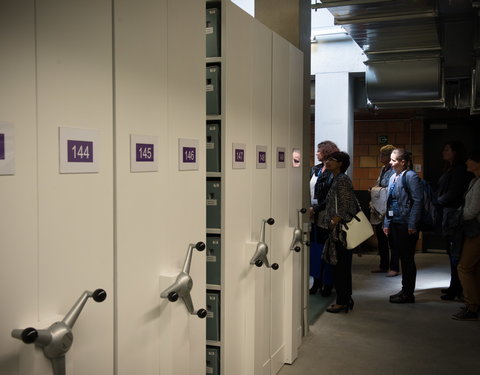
(379, 270)
(392, 273)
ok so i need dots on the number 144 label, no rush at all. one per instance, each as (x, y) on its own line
(80, 151)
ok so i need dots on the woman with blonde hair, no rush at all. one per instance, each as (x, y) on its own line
(378, 194)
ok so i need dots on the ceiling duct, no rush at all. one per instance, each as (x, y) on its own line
(396, 82)
(419, 52)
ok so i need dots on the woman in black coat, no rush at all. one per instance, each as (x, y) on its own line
(341, 206)
(451, 188)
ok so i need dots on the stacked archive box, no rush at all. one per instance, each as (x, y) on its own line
(214, 183)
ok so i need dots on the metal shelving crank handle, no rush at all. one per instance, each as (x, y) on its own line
(260, 256)
(57, 339)
(297, 240)
(184, 284)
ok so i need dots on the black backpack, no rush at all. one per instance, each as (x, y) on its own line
(429, 220)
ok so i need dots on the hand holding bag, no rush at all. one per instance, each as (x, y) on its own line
(357, 230)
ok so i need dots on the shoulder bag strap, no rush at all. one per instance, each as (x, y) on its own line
(405, 184)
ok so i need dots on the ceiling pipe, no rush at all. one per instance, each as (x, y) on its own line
(340, 3)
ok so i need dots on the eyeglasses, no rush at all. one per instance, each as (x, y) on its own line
(332, 159)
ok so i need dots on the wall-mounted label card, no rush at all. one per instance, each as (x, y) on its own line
(280, 157)
(239, 155)
(261, 157)
(7, 149)
(188, 154)
(296, 158)
(79, 150)
(143, 153)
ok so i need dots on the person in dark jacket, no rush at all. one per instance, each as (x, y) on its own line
(451, 188)
(469, 264)
(320, 182)
(404, 209)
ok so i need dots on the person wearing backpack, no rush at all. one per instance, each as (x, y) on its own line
(404, 211)
(451, 188)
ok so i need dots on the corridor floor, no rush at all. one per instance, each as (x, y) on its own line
(379, 337)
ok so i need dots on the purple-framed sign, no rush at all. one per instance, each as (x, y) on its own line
(78, 150)
(261, 159)
(280, 159)
(7, 149)
(189, 154)
(239, 155)
(2, 146)
(143, 153)
(188, 158)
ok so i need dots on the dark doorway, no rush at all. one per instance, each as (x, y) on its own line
(459, 126)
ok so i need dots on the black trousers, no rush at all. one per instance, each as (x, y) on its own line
(454, 245)
(404, 244)
(388, 256)
(342, 275)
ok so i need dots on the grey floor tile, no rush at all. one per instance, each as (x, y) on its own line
(378, 337)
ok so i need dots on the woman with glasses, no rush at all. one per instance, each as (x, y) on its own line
(341, 206)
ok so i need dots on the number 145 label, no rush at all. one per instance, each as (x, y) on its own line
(144, 152)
